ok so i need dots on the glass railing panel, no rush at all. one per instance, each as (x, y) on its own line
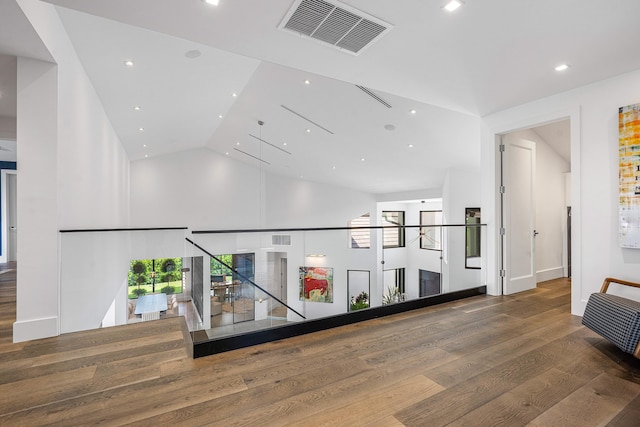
(97, 285)
(226, 283)
(463, 260)
(323, 274)
(246, 281)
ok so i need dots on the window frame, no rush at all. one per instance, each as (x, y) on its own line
(424, 231)
(399, 232)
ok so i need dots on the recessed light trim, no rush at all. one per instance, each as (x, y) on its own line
(412, 111)
(410, 145)
(137, 108)
(234, 94)
(452, 5)
(212, 2)
(141, 129)
(307, 82)
(562, 67)
(219, 116)
(129, 63)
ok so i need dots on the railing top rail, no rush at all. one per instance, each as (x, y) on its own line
(289, 230)
(103, 230)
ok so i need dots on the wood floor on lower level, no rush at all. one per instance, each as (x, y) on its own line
(484, 361)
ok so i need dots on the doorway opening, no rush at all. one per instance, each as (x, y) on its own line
(8, 212)
(535, 190)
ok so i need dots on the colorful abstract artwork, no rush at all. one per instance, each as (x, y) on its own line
(629, 175)
(316, 284)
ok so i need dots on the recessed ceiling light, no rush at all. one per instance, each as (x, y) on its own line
(234, 94)
(226, 154)
(212, 2)
(144, 145)
(362, 159)
(562, 67)
(413, 111)
(389, 127)
(307, 82)
(137, 108)
(333, 167)
(193, 54)
(308, 130)
(452, 5)
(141, 129)
(284, 143)
(128, 63)
(410, 145)
(146, 155)
(237, 143)
(219, 116)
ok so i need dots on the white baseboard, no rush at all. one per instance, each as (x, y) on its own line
(27, 330)
(549, 274)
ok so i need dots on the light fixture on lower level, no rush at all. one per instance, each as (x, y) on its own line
(452, 5)
(562, 67)
(212, 2)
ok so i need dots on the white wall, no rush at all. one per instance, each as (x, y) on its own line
(300, 203)
(550, 206)
(461, 190)
(593, 111)
(73, 169)
(198, 188)
(8, 128)
(37, 190)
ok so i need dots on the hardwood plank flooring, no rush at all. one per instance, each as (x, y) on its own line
(515, 360)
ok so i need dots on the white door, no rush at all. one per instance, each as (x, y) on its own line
(519, 214)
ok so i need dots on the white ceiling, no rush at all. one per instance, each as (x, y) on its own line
(487, 56)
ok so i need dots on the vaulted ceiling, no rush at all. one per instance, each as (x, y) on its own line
(450, 68)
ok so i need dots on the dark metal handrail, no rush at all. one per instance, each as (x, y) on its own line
(102, 230)
(373, 227)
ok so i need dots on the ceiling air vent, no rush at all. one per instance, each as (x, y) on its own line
(334, 23)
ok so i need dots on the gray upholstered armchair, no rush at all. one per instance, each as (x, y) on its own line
(615, 318)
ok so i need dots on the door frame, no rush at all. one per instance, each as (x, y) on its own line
(4, 209)
(494, 134)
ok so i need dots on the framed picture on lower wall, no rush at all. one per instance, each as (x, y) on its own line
(316, 284)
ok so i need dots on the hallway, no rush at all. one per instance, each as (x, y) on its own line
(515, 360)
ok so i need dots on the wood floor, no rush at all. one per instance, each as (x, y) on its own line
(484, 361)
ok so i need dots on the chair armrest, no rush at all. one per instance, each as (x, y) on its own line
(608, 280)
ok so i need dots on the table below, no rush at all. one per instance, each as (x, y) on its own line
(150, 306)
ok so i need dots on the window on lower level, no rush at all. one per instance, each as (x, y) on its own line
(431, 235)
(360, 238)
(393, 235)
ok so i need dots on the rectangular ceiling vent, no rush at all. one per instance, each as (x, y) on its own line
(337, 24)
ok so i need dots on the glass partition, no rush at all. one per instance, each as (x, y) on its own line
(230, 283)
(104, 273)
(260, 280)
